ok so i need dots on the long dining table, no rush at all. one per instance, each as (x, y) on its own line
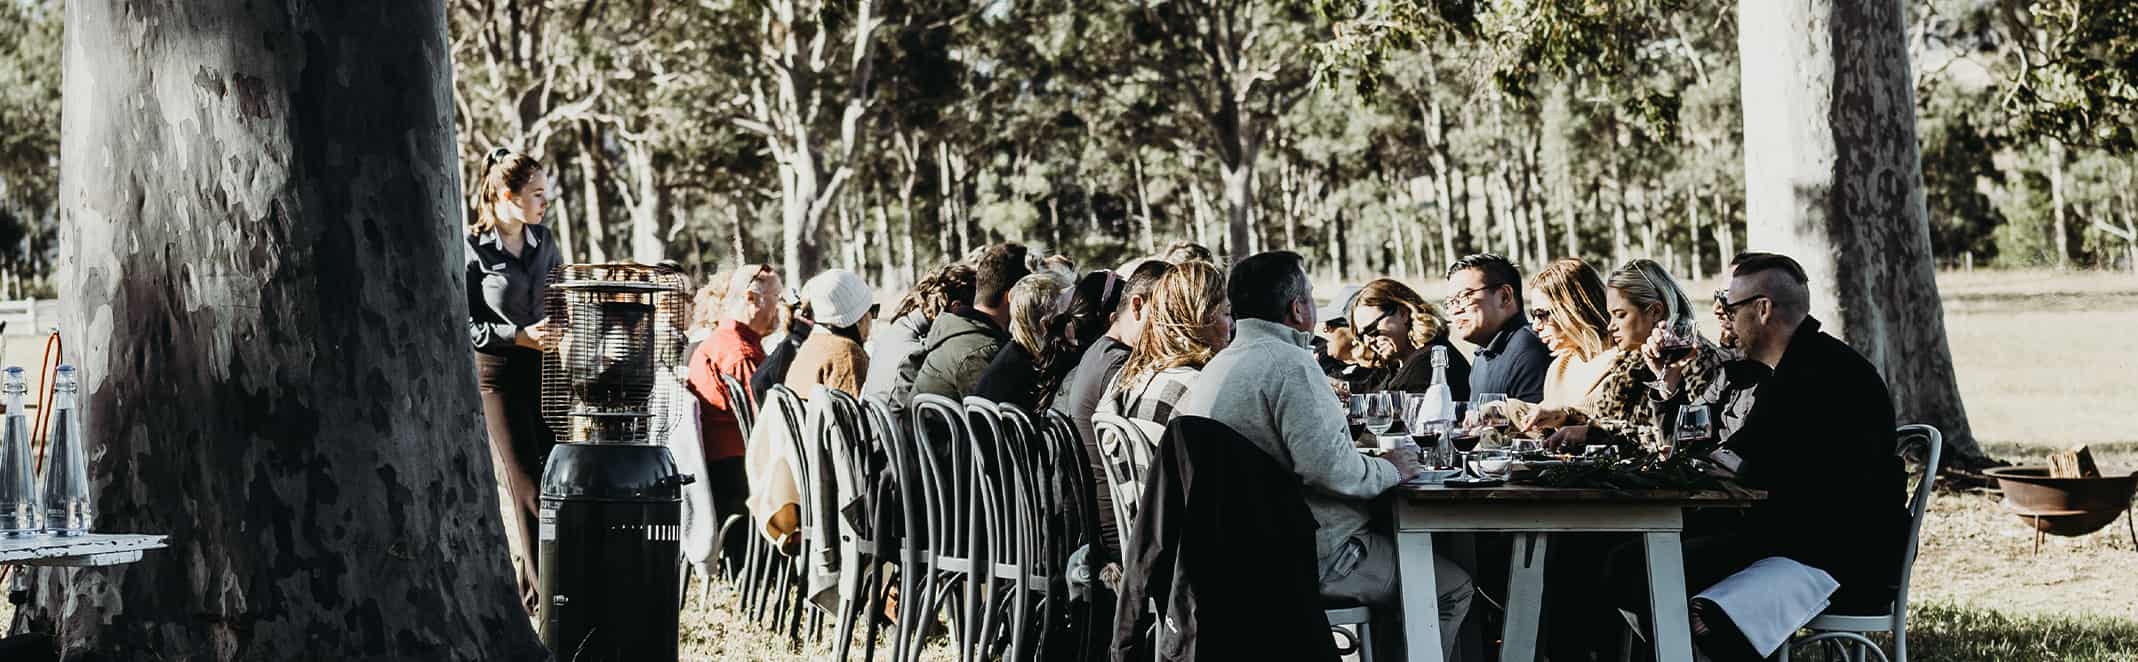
(1531, 515)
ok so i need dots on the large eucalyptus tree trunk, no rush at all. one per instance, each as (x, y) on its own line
(261, 285)
(1833, 178)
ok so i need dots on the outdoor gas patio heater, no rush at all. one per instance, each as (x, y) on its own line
(610, 523)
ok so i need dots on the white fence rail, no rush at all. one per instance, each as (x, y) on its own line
(29, 317)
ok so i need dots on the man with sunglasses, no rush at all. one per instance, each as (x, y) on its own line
(1484, 305)
(1818, 437)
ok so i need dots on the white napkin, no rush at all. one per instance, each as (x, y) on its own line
(1772, 598)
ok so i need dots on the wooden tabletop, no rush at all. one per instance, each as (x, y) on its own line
(1536, 494)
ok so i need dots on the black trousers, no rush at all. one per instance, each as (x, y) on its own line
(1708, 560)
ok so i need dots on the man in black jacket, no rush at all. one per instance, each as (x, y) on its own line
(1819, 439)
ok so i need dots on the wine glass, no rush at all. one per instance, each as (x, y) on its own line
(1673, 344)
(1355, 414)
(1696, 425)
(1380, 412)
(1493, 463)
(1419, 414)
(1491, 410)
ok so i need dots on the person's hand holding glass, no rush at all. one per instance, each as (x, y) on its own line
(1668, 348)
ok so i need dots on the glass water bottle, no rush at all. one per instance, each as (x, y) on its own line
(68, 510)
(20, 512)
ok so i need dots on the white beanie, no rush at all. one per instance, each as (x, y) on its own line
(838, 297)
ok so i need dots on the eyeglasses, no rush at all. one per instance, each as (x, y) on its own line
(1727, 307)
(1464, 298)
(875, 309)
(1374, 328)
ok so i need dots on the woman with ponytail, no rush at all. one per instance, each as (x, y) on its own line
(509, 258)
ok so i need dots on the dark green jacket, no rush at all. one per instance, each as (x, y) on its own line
(958, 349)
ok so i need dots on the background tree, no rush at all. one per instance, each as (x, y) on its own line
(261, 264)
(808, 96)
(1834, 179)
(30, 37)
(1237, 66)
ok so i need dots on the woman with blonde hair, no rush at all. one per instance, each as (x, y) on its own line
(1190, 320)
(1640, 297)
(1394, 330)
(1026, 371)
(705, 307)
(1566, 307)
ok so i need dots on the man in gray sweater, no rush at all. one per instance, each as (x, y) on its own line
(1267, 387)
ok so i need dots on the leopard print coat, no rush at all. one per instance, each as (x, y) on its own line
(1623, 413)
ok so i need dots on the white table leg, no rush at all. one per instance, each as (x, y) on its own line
(1525, 597)
(1666, 597)
(1421, 595)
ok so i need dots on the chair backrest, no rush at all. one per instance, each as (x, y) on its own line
(1025, 453)
(1121, 442)
(788, 405)
(739, 401)
(994, 482)
(1072, 467)
(939, 429)
(1918, 503)
(898, 448)
(846, 446)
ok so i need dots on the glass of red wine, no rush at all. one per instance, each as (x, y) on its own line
(1487, 410)
(1674, 342)
(1418, 413)
(1464, 440)
(1696, 427)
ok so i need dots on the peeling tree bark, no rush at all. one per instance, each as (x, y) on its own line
(261, 275)
(1834, 179)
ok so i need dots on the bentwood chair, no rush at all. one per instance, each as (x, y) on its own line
(903, 487)
(848, 447)
(1090, 626)
(1033, 560)
(1847, 633)
(1127, 452)
(996, 564)
(946, 482)
(789, 605)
